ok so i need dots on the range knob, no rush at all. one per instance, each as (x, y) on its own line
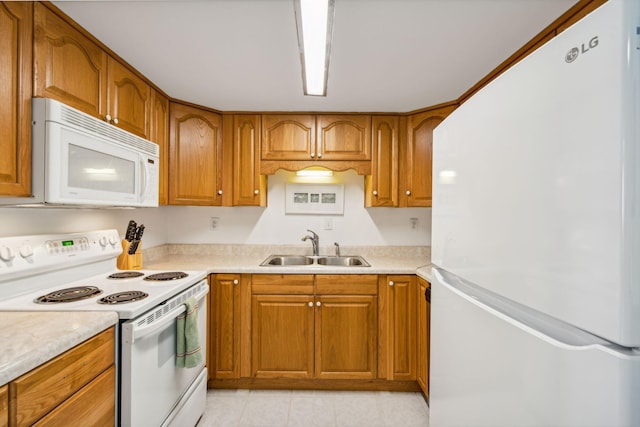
(26, 251)
(113, 240)
(103, 241)
(6, 253)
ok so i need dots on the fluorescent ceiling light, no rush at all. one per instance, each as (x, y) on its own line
(314, 22)
(314, 173)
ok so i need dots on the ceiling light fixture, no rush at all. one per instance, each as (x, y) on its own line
(314, 22)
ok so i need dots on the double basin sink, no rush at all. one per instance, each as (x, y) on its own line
(315, 260)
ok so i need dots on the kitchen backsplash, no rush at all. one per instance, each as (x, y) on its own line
(358, 226)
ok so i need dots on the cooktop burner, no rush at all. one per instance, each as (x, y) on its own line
(69, 295)
(125, 275)
(123, 297)
(169, 275)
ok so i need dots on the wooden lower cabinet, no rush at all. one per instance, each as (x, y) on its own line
(4, 406)
(314, 334)
(76, 388)
(224, 353)
(282, 336)
(398, 322)
(424, 320)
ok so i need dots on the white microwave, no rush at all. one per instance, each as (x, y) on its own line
(79, 160)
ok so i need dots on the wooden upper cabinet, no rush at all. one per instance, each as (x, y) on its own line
(16, 27)
(159, 133)
(381, 187)
(71, 68)
(68, 66)
(343, 137)
(195, 156)
(417, 158)
(249, 187)
(288, 136)
(129, 99)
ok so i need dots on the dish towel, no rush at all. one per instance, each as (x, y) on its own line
(188, 351)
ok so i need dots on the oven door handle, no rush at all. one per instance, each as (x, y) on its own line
(142, 331)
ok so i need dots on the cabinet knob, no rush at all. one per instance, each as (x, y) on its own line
(220, 192)
(235, 281)
(256, 192)
(408, 192)
(375, 193)
(313, 155)
(391, 283)
(107, 118)
(318, 303)
(115, 121)
(310, 304)
(319, 155)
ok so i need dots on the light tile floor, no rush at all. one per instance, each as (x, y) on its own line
(279, 408)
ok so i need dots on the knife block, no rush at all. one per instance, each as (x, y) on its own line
(126, 261)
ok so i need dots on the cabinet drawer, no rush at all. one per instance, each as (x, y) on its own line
(45, 387)
(296, 284)
(347, 284)
(93, 405)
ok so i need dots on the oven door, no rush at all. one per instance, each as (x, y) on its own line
(153, 390)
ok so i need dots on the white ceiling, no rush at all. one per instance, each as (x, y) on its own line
(387, 55)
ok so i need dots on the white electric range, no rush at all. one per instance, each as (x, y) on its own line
(76, 272)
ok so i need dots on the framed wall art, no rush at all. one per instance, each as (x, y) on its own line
(315, 199)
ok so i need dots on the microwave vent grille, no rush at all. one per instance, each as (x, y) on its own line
(89, 123)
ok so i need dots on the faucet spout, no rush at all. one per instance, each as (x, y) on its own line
(315, 241)
(337, 248)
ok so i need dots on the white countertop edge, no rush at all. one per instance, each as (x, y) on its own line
(33, 338)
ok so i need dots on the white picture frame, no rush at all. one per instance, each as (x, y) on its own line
(314, 199)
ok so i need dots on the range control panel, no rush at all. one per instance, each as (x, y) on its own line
(25, 255)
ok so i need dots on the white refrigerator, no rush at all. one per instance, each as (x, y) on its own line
(536, 238)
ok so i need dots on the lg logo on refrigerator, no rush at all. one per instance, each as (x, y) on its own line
(572, 55)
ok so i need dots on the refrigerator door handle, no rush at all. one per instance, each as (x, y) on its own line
(545, 327)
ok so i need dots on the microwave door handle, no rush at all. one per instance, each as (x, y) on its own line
(143, 176)
(143, 331)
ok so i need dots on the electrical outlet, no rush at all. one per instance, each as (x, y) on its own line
(414, 223)
(214, 222)
(328, 223)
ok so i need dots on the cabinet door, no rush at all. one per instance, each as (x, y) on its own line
(343, 137)
(288, 136)
(225, 326)
(346, 337)
(68, 66)
(16, 26)
(282, 336)
(418, 157)
(129, 99)
(423, 336)
(381, 187)
(398, 310)
(195, 156)
(4, 406)
(249, 187)
(159, 133)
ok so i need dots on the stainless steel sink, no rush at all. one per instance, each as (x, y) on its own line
(343, 261)
(305, 260)
(283, 260)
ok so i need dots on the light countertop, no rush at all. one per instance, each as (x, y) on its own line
(247, 259)
(33, 338)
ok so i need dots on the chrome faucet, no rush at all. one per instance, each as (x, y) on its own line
(337, 248)
(315, 240)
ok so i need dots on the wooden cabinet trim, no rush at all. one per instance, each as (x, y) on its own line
(347, 284)
(282, 284)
